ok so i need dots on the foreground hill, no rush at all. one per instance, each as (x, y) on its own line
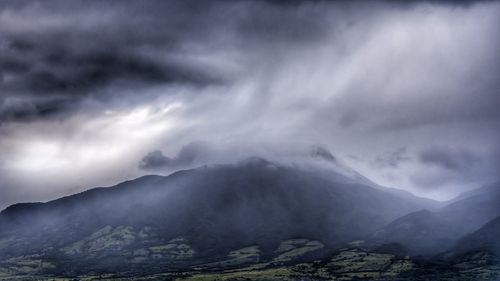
(242, 213)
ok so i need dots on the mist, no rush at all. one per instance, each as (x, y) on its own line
(93, 93)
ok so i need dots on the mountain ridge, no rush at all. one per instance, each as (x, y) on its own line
(216, 208)
(432, 232)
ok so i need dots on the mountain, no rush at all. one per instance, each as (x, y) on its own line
(236, 213)
(486, 239)
(430, 232)
(486, 189)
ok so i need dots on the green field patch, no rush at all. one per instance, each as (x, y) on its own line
(176, 249)
(267, 274)
(290, 244)
(241, 256)
(295, 248)
(105, 239)
(356, 261)
(24, 265)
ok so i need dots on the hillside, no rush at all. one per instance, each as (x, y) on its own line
(198, 216)
(431, 232)
(485, 239)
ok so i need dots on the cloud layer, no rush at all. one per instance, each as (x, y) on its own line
(93, 92)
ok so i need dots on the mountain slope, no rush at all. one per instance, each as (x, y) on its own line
(485, 238)
(486, 189)
(196, 216)
(431, 232)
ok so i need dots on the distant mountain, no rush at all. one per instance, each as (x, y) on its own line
(198, 216)
(430, 232)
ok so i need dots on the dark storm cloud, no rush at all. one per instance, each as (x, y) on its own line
(451, 159)
(88, 88)
(44, 67)
(61, 71)
(67, 53)
(26, 110)
(57, 81)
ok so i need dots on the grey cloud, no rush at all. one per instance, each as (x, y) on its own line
(188, 154)
(451, 159)
(261, 77)
(453, 168)
(154, 159)
(321, 152)
(68, 53)
(74, 59)
(408, 81)
(58, 82)
(391, 159)
(431, 181)
(14, 109)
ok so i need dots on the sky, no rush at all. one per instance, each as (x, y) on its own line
(93, 93)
